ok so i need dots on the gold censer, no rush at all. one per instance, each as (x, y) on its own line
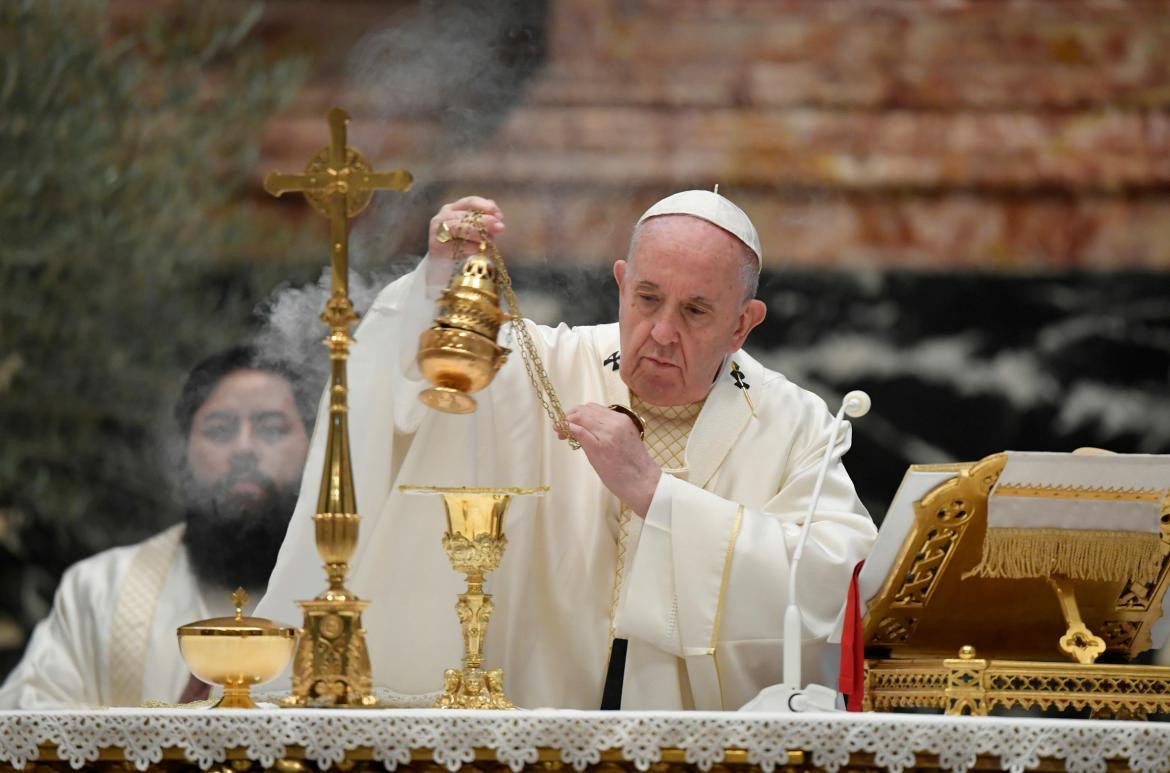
(474, 543)
(459, 355)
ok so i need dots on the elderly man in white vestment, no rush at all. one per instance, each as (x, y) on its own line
(109, 639)
(677, 546)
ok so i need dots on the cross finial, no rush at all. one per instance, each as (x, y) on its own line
(339, 183)
(240, 598)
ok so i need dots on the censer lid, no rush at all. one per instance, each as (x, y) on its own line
(240, 625)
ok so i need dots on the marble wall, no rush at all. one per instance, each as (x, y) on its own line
(973, 134)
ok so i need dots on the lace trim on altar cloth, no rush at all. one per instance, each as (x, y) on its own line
(1081, 746)
(387, 699)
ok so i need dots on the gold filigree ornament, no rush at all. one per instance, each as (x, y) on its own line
(974, 685)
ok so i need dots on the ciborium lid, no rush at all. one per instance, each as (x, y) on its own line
(239, 625)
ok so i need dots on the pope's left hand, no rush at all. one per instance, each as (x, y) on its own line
(611, 443)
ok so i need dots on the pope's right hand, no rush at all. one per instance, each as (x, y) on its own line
(461, 237)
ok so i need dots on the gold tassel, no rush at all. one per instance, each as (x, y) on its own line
(1110, 556)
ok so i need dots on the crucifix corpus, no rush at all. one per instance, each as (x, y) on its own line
(331, 665)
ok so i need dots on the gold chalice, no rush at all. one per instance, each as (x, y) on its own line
(236, 652)
(475, 544)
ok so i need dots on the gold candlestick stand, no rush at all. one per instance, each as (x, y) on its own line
(474, 543)
(331, 665)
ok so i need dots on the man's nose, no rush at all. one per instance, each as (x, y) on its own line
(245, 440)
(664, 331)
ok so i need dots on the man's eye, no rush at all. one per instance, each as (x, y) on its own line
(647, 298)
(272, 431)
(219, 433)
(696, 311)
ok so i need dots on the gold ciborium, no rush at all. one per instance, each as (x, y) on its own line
(459, 355)
(236, 652)
(475, 544)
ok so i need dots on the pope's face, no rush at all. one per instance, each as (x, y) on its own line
(681, 308)
(247, 441)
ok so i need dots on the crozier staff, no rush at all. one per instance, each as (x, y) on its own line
(661, 562)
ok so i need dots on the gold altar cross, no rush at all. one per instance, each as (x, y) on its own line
(332, 663)
(339, 183)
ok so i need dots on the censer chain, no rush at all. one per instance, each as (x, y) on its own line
(533, 365)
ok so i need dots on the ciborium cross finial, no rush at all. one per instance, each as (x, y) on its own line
(239, 599)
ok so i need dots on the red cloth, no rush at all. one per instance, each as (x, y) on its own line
(851, 681)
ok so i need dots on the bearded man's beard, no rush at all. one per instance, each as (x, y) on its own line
(234, 540)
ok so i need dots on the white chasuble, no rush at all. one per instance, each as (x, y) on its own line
(109, 639)
(704, 581)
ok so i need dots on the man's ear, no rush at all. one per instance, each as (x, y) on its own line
(753, 314)
(619, 274)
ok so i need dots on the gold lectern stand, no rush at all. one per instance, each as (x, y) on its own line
(331, 666)
(930, 630)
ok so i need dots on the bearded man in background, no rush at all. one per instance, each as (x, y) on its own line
(110, 637)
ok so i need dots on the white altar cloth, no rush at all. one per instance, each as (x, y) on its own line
(514, 737)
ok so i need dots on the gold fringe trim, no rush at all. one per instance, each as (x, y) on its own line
(726, 576)
(1110, 556)
(1078, 492)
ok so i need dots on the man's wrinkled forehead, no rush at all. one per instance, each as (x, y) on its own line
(253, 394)
(665, 233)
(666, 236)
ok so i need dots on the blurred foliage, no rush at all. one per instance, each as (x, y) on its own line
(126, 254)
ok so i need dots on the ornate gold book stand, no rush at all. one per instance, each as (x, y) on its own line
(940, 633)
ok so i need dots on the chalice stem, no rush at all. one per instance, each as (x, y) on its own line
(474, 609)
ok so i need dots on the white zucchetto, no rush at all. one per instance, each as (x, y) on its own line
(713, 208)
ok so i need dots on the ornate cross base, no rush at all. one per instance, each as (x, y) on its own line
(331, 665)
